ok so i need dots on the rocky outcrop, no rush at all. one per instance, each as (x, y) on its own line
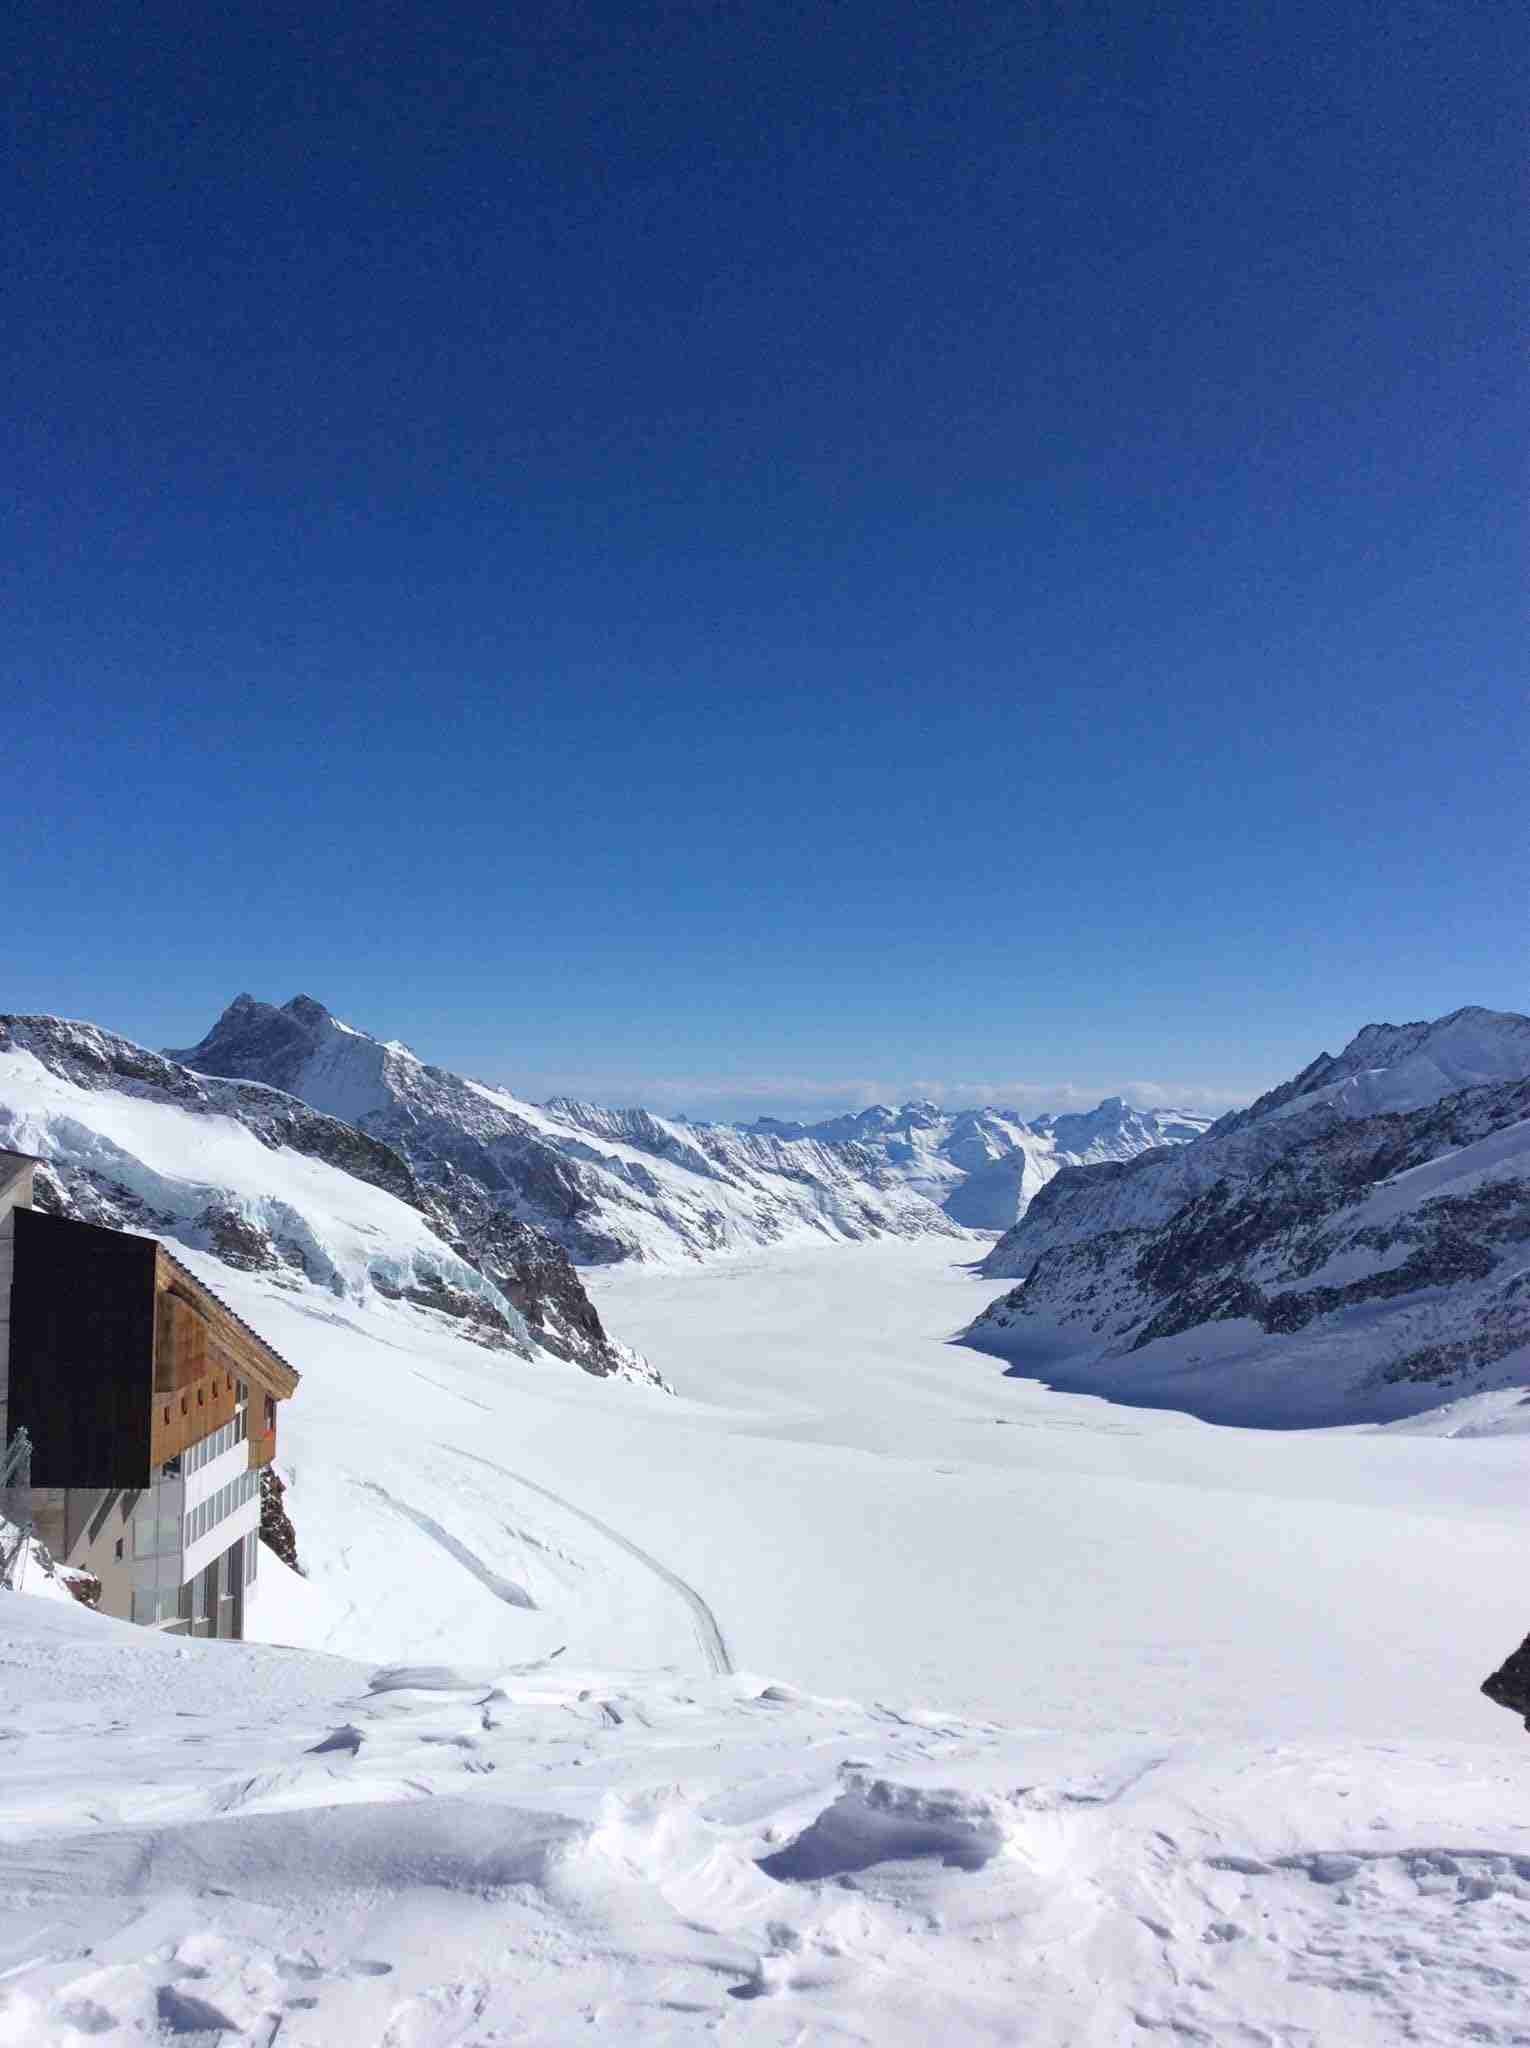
(1313, 1264)
(1509, 1685)
(1459, 1054)
(276, 1530)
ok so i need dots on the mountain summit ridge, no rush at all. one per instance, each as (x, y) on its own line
(984, 1166)
(606, 1184)
(1351, 1247)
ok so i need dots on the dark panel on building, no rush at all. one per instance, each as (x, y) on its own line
(82, 1350)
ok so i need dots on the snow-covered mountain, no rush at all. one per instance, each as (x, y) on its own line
(265, 1183)
(606, 1184)
(1352, 1246)
(984, 1167)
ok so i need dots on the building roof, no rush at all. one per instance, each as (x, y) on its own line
(201, 1286)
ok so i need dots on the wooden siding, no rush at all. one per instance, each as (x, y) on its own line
(185, 1414)
(181, 1346)
(82, 1350)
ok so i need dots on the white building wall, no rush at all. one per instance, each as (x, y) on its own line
(244, 1521)
(215, 1474)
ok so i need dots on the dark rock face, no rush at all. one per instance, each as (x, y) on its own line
(276, 1530)
(238, 1242)
(1310, 1220)
(1509, 1685)
(527, 1267)
(96, 1198)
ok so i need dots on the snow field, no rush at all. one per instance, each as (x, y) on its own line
(303, 1853)
(855, 1694)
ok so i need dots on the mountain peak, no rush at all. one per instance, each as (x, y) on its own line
(308, 1010)
(1401, 1067)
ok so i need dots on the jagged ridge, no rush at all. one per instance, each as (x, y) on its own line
(984, 1167)
(606, 1184)
(1312, 1259)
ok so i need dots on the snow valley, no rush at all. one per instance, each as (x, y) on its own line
(696, 1641)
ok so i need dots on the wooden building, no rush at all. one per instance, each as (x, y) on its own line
(151, 1407)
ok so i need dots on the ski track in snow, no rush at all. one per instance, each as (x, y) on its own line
(708, 1634)
(502, 1588)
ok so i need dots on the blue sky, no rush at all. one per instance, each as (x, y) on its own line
(769, 556)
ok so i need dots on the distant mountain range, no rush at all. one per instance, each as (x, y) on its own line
(290, 1142)
(983, 1167)
(610, 1184)
(606, 1184)
(1356, 1244)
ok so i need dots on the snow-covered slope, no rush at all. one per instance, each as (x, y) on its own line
(606, 1184)
(865, 1696)
(1352, 1246)
(219, 1843)
(263, 1181)
(985, 1166)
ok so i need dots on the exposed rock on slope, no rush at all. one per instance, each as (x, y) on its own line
(606, 1184)
(67, 1092)
(984, 1167)
(276, 1530)
(1509, 1685)
(1354, 1246)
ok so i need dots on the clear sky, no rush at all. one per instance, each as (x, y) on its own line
(765, 555)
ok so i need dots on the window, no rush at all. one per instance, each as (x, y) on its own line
(119, 1546)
